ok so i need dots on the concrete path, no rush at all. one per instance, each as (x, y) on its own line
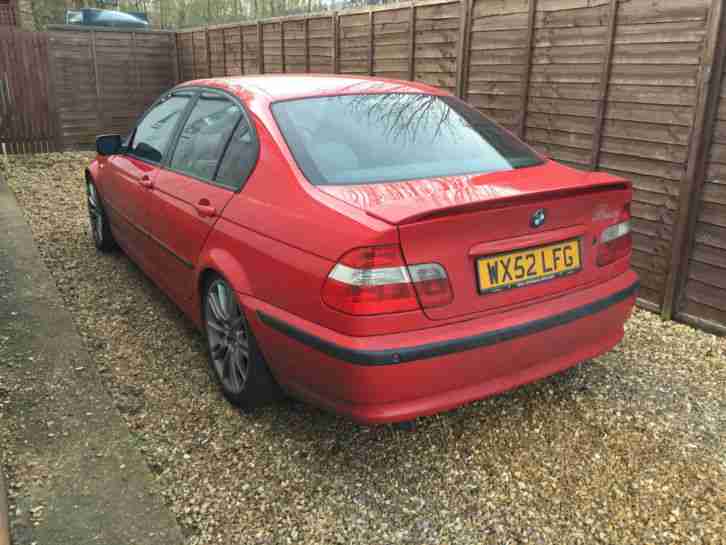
(75, 475)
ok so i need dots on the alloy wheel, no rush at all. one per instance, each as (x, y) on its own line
(95, 214)
(227, 334)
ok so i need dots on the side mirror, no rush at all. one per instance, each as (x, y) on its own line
(108, 144)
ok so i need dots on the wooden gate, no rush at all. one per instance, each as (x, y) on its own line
(26, 121)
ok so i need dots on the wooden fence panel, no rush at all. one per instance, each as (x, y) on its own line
(186, 56)
(200, 54)
(250, 50)
(75, 88)
(569, 46)
(320, 40)
(648, 120)
(498, 58)
(700, 297)
(272, 47)
(232, 51)
(353, 38)
(437, 38)
(217, 53)
(26, 106)
(295, 49)
(391, 36)
(104, 79)
(155, 61)
(118, 82)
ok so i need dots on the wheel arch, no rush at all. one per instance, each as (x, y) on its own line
(220, 262)
(91, 172)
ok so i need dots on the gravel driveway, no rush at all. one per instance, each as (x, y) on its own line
(629, 448)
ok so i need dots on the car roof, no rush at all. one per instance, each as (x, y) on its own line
(273, 87)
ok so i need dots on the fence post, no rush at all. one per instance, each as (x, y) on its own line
(336, 29)
(412, 42)
(371, 43)
(176, 52)
(224, 51)
(241, 51)
(260, 49)
(462, 57)
(531, 17)
(306, 27)
(97, 81)
(194, 57)
(709, 83)
(209, 52)
(603, 89)
(137, 89)
(283, 67)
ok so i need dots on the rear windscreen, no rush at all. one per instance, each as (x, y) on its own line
(372, 138)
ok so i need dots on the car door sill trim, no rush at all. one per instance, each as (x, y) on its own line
(452, 346)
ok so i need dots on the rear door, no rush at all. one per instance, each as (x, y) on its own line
(213, 154)
(132, 173)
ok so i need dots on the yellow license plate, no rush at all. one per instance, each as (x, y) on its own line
(524, 267)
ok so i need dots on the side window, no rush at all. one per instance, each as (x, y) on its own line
(240, 157)
(205, 135)
(152, 136)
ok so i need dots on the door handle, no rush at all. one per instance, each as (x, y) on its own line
(146, 182)
(205, 209)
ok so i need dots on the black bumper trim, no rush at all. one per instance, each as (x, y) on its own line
(432, 350)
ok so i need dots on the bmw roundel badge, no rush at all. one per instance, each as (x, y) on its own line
(538, 218)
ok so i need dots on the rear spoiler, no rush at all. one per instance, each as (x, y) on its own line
(401, 212)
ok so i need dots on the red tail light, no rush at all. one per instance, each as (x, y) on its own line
(616, 241)
(376, 280)
(432, 284)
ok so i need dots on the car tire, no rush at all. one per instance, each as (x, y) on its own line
(100, 228)
(234, 356)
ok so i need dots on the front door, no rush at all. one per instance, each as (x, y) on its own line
(188, 197)
(132, 175)
(126, 200)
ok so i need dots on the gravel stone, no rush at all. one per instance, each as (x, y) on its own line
(628, 448)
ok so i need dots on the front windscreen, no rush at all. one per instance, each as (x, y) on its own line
(372, 138)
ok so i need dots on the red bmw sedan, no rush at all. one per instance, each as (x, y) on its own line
(376, 247)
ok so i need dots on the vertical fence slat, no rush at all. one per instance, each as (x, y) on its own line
(283, 67)
(194, 57)
(97, 80)
(531, 18)
(260, 49)
(26, 95)
(306, 29)
(709, 83)
(37, 97)
(371, 42)
(241, 51)
(462, 57)
(138, 94)
(603, 88)
(336, 53)
(224, 51)
(209, 53)
(52, 98)
(411, 41)
(176, 56)
(16, 124)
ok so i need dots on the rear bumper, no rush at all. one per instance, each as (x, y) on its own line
(398, 377)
